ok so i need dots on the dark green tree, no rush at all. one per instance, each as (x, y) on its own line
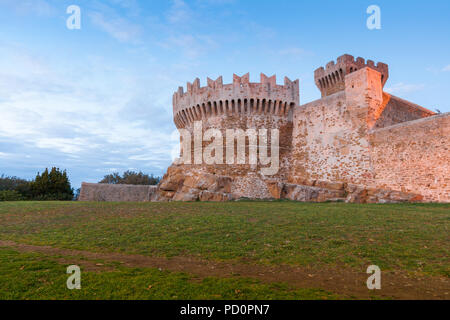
(10, 183)
(53, 185)
(10, 195)
(113, 178)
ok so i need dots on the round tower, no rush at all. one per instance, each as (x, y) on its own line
(241, 105)
(241, 99)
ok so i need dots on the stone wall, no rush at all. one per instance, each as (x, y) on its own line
(364, 136)
(395, 110)
(115, 192)
(330, 135)
(414, 157)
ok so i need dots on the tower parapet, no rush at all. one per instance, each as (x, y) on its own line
(331, 79)
(241, 97)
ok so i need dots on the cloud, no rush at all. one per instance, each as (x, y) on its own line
(446, 69)
(262, 32)
(179, 12)
(132, 6)
(189, 45)
(118, 27)
(103, 113)
(39, 8)
(216, 2)
(404, 88)
(293, 53)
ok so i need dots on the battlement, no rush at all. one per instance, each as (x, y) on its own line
(331, 79)
(239, 97)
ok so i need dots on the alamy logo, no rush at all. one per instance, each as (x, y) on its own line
(73, 22)
(235, 139)
(374, 281)
(74, 281)
(374, 20)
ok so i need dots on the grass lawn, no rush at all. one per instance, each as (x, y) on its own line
(411, 239)
(36, 276)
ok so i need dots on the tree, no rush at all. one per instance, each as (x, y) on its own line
(53, 185)
(113, 178)
(25, 190)
(131, 177)
(10, 183)
(10, 195)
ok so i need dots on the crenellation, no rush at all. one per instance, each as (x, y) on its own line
(361, 61)
(215, 84)
(331, 79)
(197, 102)
(241, 81)
(272, 81)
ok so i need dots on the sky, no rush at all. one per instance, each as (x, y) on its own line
(98, 99)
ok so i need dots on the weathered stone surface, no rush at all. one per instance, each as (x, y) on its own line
(187, 194)
(172, 181)
(356, 194)
(330, 185)
(275, 189)
(214, 196)
(414, 157)
(310, 194)
(212, 183)
(115, 192)
(361, 194)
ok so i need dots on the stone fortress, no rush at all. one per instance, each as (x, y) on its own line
(355, 144)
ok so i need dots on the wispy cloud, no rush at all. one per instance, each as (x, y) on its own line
(118, 27)
(294, 53)
(188, 45)
(104, 114)
(4, 155)
(131, 6)
(446, 69)
(31, 7)
(402, 88)
(179, 12)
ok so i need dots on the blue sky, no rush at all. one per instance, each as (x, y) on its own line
(98, 100)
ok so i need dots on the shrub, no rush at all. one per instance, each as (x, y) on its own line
(10, 195)
(10, 183)
(25, 190)
(131, 177)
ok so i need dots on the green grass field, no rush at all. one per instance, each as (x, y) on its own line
(410, 242)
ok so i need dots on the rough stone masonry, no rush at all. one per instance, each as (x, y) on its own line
(355, 144)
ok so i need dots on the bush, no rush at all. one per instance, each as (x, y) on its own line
(10, 195)
(10, 183)
(25, 190)
(131, 177)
